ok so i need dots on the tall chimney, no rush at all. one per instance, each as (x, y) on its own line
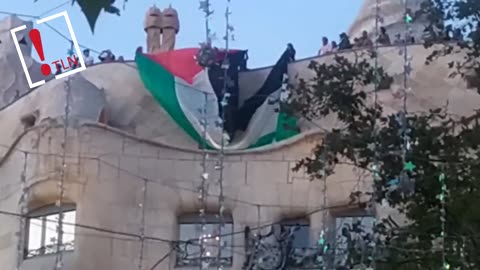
(170, 28)
(153, 28)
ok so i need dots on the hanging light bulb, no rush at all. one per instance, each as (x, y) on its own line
(224, 102)
(218, 166)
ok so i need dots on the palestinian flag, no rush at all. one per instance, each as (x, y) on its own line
(191, 95)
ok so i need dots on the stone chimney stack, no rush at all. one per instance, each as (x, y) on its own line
(170, 28)
(153, 28)
(393, 14)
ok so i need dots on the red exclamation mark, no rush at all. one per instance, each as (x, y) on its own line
(37, 43)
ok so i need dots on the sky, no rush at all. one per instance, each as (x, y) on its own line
(264, 27)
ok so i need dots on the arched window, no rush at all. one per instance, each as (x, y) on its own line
(190, 229)
(41, 231)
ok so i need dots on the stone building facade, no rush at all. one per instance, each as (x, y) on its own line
(131, 176)
(108, 167)
(106, 174)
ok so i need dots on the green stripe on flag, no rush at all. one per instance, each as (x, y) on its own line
(161, 84)
(286, 128)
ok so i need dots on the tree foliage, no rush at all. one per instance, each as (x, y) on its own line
(440, 145)
(463, 15)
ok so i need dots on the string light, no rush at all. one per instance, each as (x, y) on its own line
(443, 217)
(23, 212)
(322, 242)
(204, 58)
(408, 165)
(142, 207)
(204, 264)
(403, 181)
(61, 182)
(224, 139)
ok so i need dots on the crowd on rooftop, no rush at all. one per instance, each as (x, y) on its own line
(104, 57)
(364, 41)
(383, 39)
(344, 43)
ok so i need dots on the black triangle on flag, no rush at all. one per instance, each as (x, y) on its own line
(237, 62)
(272, 83)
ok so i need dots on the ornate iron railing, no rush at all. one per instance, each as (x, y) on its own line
(188, 255)
(274, 251)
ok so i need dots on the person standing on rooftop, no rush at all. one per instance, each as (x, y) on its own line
(344, 42)
(326, 47)
(365, 41)
(334, 46)
(383, 38)
(88, 57)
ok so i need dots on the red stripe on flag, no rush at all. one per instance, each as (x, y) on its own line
(181, 63)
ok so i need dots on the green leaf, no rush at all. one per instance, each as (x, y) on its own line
(92, 9)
